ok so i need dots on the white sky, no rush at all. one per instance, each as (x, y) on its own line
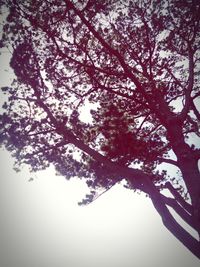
(41, 224)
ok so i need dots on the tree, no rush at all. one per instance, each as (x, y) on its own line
(137, 64)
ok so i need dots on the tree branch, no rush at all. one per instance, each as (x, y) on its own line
(196, 112)
(180, 211)
(196, 95)
(138, 177)
(179, 198)
(111, 51)
(171, 224)
(188, 98)
(169, 161)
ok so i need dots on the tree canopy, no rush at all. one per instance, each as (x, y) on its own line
(137, 64)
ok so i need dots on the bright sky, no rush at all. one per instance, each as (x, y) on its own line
(41, 224)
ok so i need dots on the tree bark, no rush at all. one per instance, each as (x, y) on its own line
(188, 164)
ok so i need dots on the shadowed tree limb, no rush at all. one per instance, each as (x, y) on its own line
(180, 211)
(171, 224)
(178, 197)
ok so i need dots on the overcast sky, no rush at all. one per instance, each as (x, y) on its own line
(41, 224)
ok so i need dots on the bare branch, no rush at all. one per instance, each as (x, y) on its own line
(169, 161)
(180, 211)
(171, 224)
(196, 95)
(179, 198)
(196, 112)
(188, 98)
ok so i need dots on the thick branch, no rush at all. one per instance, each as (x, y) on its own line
(180, 211)
(188, 98)
(171, 224)
(169, 161)
(196, 112)
(179, 198)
